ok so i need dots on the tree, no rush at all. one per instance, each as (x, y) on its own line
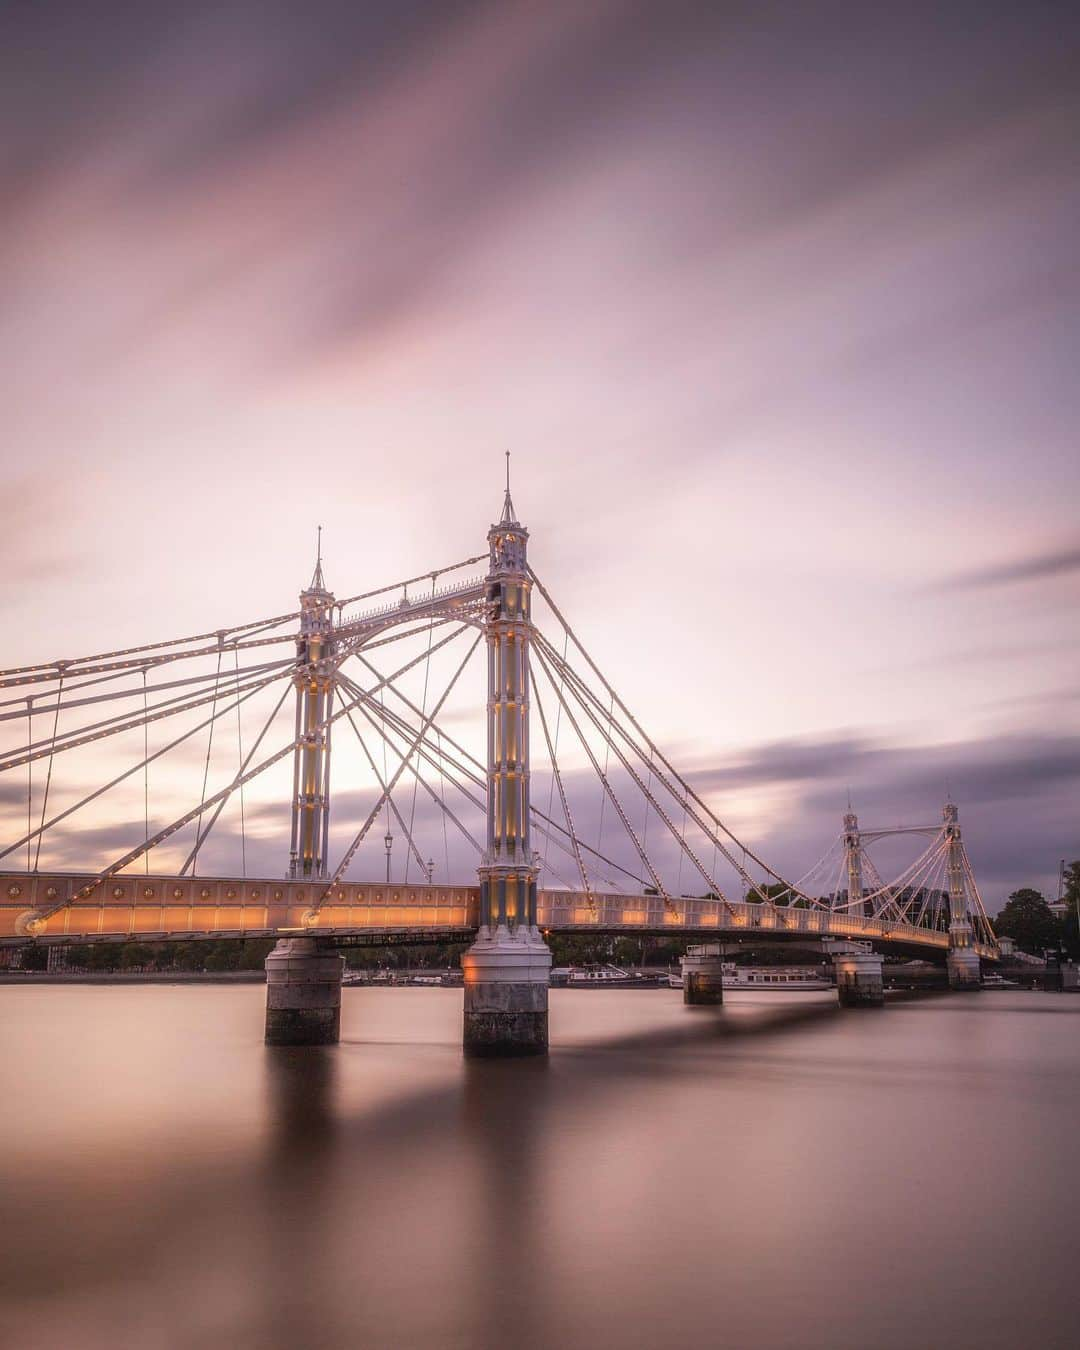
(1027, 919)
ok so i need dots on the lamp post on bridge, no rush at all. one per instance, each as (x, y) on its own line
(388, 840)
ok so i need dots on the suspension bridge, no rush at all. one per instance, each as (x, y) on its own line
(393, 671)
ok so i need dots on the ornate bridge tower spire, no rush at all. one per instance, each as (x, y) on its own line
(506, 971)
(963, 959)
(853, 855)
(314, 704)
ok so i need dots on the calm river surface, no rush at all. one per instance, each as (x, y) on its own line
(777, 1173)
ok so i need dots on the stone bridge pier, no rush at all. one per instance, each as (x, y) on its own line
(303, 994)
(702, 974)
(859, 982)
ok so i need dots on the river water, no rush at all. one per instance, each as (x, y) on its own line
(773, 1174)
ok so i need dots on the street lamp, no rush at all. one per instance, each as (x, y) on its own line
(389, 842)
(430, 870)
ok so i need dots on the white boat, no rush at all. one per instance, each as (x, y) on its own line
(597, 974)
(777, 978)
(996, 981)
(764, 977)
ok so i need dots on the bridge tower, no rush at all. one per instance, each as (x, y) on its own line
(853, 855)
(963, 959)
(314, 705)
(506, 970)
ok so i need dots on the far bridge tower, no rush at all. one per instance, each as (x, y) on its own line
(314, 682)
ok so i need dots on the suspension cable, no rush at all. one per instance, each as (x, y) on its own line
(607, 786)
(48, 774)
(689, 791)
(403, 729)
(423, 713)
(240, 762)
(134, 854)
(350, 852)
(393, 805)
(684, 846)
(250, 756)
(557, 778)
(206, 773)
(146, 768)
(97, 792)
(29, 779)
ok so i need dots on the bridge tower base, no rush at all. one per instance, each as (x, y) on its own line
(703, 984)
(303, 994)
(506, 994)
(858, 980)
(964, 970)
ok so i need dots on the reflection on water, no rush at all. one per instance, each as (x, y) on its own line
(776, 1173)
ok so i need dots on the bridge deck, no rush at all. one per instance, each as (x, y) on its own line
(174, 908)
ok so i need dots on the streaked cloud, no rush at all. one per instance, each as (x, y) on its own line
(1060, 562)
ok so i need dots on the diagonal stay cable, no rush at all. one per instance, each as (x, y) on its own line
(97, 792)
(687, 789)
(583, 692)
(206, 775)
(120, 863)
(645, 789)
(557, 778)
(670, 825)
(390, 798)
(661, 890)
(48, 775)
(350, 852)
(189, 860)
(112, 726)
(423, 710)
(366, 708)
(403, 729)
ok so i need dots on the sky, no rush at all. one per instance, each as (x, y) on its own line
(775, 306)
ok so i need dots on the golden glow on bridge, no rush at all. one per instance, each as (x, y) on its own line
(179, 907)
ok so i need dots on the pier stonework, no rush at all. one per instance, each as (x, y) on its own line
(858, 980)
(965, 968)
(703, 983)
(507, 968)
(303, 994)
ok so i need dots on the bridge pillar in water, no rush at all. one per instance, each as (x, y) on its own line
(964, 967)
(303, 994)
(858, 979)
(702, 972)
(507, 969)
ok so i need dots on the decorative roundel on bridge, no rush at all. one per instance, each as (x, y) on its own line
(279, 895)
(51, 893)
(118, 892)
(298, 894)
(230, 894)
(148, 892)
(205, 893)
(255, 893)
(178, 892)
(14, 891)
